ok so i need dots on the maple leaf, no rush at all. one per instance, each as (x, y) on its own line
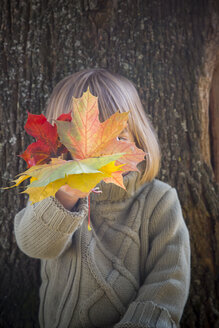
(47, 143)
(60, 169)
(84, 182)
(97, 153)
(85, 136)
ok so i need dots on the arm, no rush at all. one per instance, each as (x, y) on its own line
(161, 298)
(42, 230)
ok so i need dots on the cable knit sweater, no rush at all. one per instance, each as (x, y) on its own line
(131, 270)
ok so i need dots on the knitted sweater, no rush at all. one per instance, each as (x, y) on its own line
(131, 270)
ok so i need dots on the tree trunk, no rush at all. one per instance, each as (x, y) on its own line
(170, 50)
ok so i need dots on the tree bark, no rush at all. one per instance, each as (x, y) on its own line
(169, 49)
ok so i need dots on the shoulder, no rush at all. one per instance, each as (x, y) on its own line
(156, 193)
(160, 186)
(156, 189)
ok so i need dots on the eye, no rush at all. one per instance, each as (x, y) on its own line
(119, 138)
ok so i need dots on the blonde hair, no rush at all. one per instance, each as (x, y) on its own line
(115, 93)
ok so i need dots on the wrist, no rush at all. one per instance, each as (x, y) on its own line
(68, 201)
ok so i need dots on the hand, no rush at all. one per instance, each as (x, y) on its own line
(68, 196)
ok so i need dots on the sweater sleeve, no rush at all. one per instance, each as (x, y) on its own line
(43, 230)
(162, 297)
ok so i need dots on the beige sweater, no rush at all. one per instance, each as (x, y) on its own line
(131, 270)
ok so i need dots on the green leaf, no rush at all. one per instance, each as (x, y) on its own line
(51, 172)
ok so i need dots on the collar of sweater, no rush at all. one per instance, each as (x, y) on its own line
(114, 193)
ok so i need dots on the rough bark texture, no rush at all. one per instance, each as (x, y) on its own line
(214, 119)
(168, 49)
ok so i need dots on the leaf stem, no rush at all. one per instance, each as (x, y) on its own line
(96, 190)
(89, 227)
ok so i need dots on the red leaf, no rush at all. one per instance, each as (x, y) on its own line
(65, 117)
(36, 153)
(38, 127)
(47, 144)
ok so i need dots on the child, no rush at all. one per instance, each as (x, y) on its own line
(133, 268)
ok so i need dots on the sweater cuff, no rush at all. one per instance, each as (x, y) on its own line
(146, 315)
(58, 218)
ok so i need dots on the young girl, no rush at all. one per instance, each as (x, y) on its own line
(133, 268)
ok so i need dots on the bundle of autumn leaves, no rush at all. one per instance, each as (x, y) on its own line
(97, 153)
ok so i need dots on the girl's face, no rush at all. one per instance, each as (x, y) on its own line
(126, 136)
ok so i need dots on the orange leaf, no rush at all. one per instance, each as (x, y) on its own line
(85, 136)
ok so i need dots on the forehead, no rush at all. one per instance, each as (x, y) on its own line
(126, 130)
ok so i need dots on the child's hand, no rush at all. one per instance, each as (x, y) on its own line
(68, 196)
